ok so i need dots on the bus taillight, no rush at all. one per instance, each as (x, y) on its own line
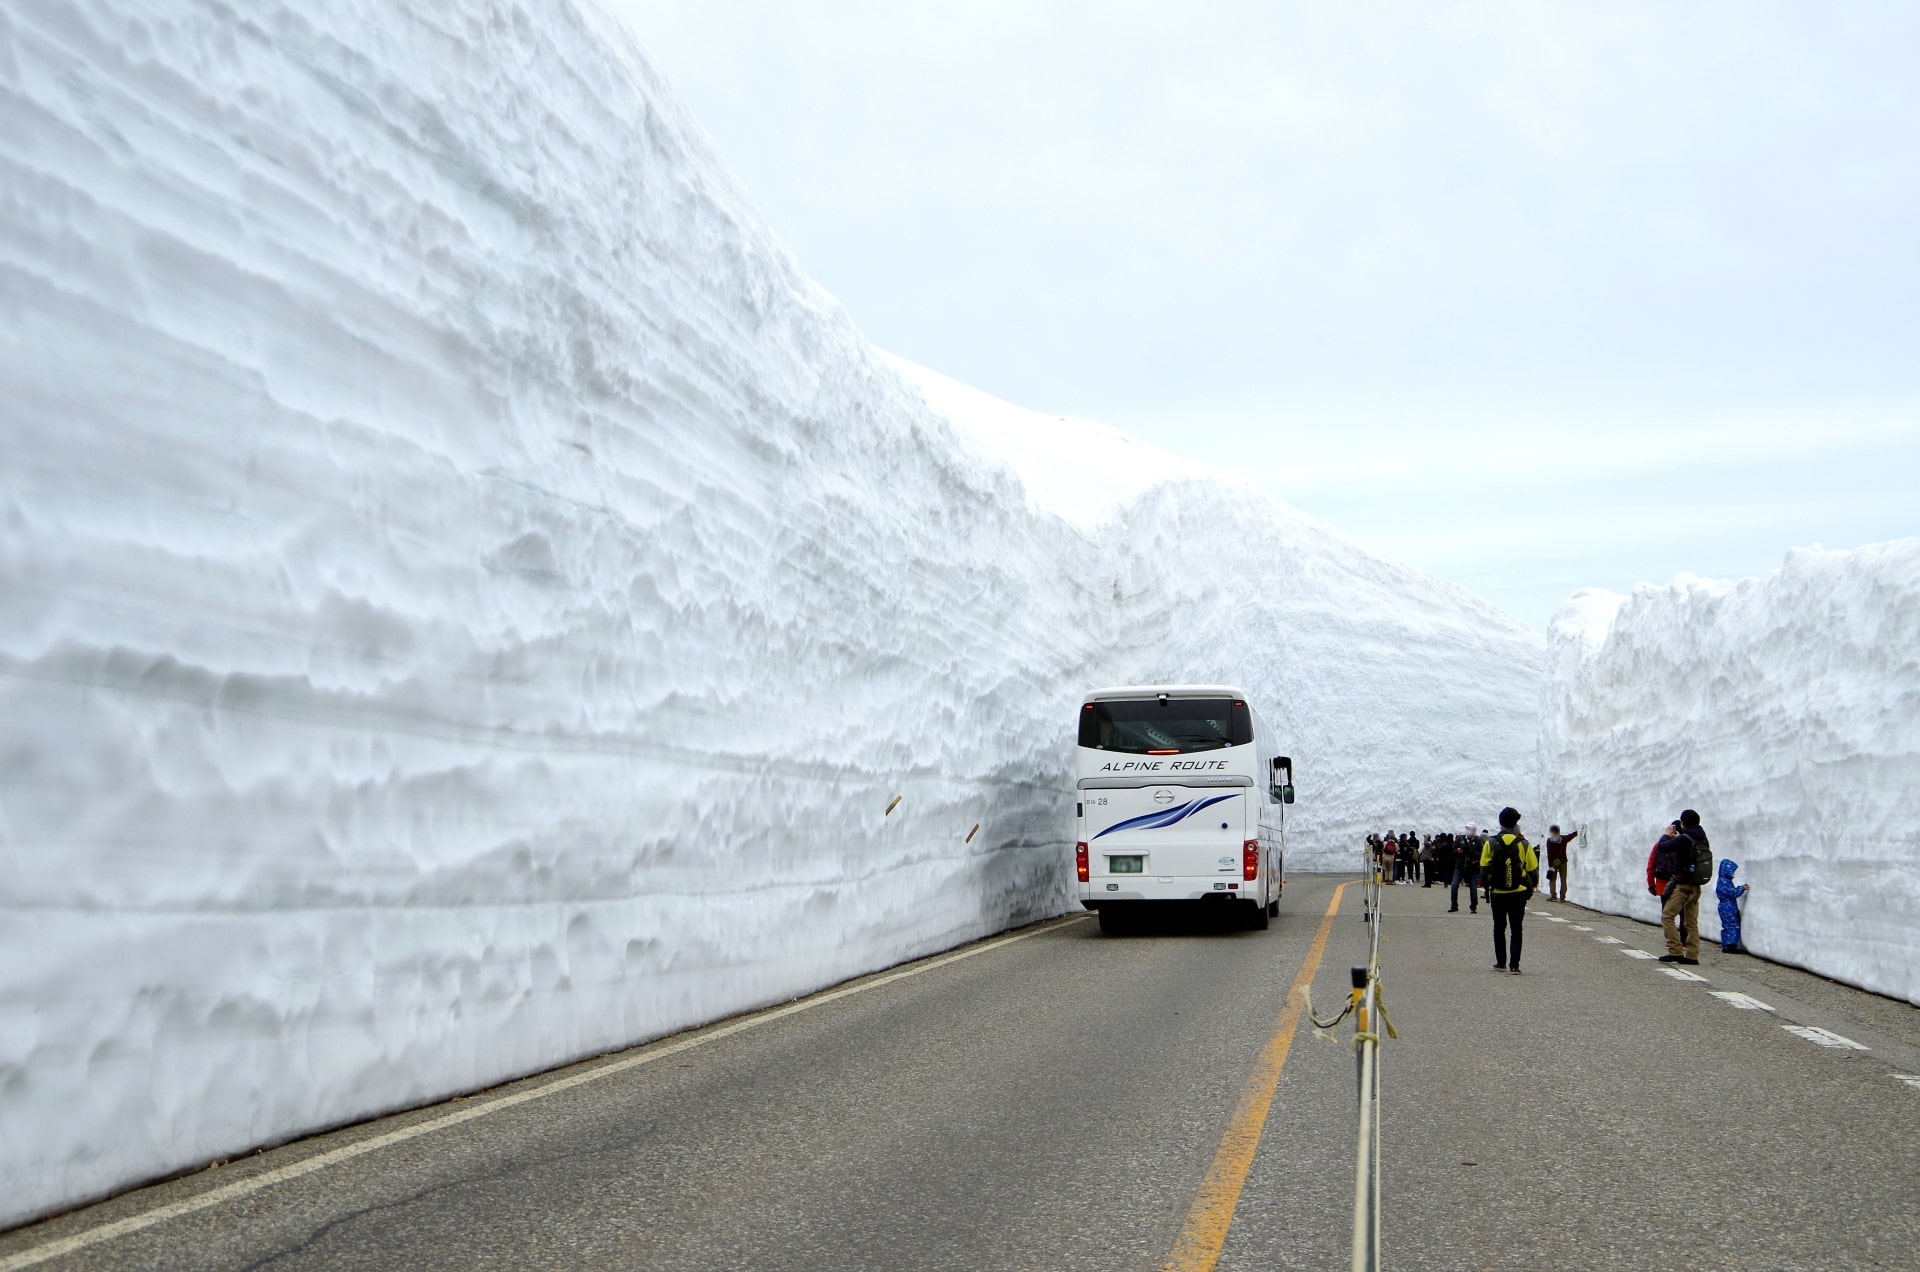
(1080, 861)
(1250, 859)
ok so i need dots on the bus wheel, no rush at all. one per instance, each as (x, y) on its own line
(1273, 909)
(1257, 916)
(1114, 920)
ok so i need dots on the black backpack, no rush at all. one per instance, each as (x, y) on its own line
(1505, 872)
(1702, 863)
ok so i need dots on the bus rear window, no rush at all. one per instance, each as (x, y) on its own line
(1173, 726)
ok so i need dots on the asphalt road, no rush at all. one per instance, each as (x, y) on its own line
(1066, 1100)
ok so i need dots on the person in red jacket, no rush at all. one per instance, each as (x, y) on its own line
(1673, 869)
(1658, 887)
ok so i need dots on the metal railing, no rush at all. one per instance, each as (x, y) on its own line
(1368, 1009)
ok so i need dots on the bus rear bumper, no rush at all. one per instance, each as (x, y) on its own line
(1094, 895)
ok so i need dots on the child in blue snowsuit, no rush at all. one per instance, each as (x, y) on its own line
(1729, 907)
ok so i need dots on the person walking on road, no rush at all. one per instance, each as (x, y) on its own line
(1511, 870)
(1673, 870)
(1557, 862)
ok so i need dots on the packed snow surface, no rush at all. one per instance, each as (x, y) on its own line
(1785, 710)
(471, 601)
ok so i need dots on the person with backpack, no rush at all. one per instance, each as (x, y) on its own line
(1510, 869)
(1676, 863)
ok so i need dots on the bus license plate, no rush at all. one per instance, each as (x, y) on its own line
(1126, 865)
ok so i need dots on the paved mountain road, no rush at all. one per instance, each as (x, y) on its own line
(1056, 1101)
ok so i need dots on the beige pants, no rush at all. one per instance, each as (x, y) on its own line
(1683, 902)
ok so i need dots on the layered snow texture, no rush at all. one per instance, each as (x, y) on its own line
(470, 601)
(1786, 711)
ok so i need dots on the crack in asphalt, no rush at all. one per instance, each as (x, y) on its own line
(506, 1170)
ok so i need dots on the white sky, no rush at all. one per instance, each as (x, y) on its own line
(1534, 296)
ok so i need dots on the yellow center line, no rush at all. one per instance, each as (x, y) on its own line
(1205, 1231)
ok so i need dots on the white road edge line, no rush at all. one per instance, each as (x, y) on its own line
(320, 1161)
(1630, 952)
(1734, 999)
(1911, 1079)
(1609, 940)
(1681, 973)
(1825, 1037)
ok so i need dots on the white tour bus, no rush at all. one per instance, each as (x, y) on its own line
(1180, 798)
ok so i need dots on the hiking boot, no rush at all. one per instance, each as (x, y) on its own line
(1453, 909)
(1499, 967)
(1671, 958)
(1687, 962)
(1515, 969)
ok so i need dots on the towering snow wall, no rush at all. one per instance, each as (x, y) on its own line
(1786, 711)
(469, 601)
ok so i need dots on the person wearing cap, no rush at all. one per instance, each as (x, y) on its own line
(1508, 890)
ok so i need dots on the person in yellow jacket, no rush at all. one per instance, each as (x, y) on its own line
(1510, 870)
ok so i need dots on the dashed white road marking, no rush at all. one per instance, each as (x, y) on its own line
(1825, 1037)
(1578, 927)
(1553, 918)
(1911, 1079)
(1681, 973)
(1609, 940)
(1742, 1001)
(1630, 952)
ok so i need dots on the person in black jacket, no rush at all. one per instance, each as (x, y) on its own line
(1673, 870)
(1441, 865)
(1466, 869)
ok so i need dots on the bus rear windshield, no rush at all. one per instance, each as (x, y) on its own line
(1171, 726)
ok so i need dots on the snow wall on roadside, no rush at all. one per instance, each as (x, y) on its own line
(1785, 709)
(471, 601)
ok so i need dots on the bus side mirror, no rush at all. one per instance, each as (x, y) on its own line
(1283, 791)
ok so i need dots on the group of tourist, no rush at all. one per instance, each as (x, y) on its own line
(1449, 859)
(1679, 868)
(1502, 868)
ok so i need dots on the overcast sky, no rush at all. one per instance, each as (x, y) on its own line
(1533, 296)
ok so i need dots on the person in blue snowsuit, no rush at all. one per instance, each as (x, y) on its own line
(1729, 895)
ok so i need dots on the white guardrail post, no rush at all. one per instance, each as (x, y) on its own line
(1369, 1020)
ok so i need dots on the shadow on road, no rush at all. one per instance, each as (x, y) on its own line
(1174, 918)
